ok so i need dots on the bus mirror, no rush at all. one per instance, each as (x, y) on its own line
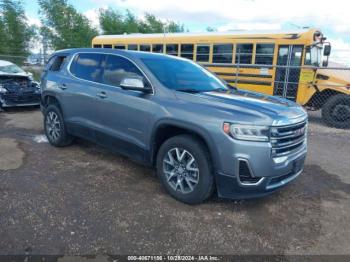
(325, 63)
(327, 50)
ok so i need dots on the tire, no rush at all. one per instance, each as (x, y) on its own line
(54, 124)
(336, 111)
(196, 177)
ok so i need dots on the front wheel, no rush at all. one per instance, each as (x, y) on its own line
(184, 167)
(336, 111)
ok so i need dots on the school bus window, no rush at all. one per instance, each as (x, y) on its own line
(107, 46)
(97, 46)
(307, 60)
(132, 47)
(172, 49)
(145, 48)
(121, 47)
(244, 53)
(187, 51)
(157, 48)
(222, 53)
(203, 53)
(264, 54)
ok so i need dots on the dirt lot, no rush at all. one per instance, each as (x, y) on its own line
(85, 200)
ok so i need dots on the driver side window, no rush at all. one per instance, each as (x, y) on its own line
(117, 68)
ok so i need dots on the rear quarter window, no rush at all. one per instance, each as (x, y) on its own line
(56, 62)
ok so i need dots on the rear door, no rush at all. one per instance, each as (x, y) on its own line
(79, 95)
(288, 71)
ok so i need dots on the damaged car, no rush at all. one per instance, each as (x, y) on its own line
(17, 87)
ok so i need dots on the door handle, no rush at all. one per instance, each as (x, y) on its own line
(63, 86)
(102, 94)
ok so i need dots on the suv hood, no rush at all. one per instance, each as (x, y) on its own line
(248, 107)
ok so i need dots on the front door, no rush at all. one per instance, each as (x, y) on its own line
(288, 71)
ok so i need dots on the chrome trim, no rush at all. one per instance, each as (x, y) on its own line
(103, 53)
(289, 121)
(251, 172)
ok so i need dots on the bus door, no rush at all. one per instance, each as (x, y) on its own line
(288, 71)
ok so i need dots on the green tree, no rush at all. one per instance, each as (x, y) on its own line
(113, 22)
(15, 33)
(63, 26)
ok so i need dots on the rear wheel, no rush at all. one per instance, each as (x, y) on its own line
(55, 128)
(184, 167)
(336, 111)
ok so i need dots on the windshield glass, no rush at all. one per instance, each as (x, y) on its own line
(183, 75)
(10, 69)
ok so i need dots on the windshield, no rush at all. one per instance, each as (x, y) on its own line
(183, 75)
(313, 55)
(10, 69)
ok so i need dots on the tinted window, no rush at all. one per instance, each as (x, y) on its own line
(222, 53)
(87, 66)
(97, 46)
(187, 51)
(107, 46)
(132, 47)
(203, 53)
(179, 74)
(122, 47)
(172, 49)
(264, 54)
(117, 68)
(145, 48)
(307, 60)
(244, 53)
(157, 48)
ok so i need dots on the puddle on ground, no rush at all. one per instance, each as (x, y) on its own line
(40, 139)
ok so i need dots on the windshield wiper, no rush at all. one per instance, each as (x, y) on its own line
(190, 90)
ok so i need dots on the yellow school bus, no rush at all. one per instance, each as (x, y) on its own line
(287, 64)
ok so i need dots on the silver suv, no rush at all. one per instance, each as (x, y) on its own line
(198, 132)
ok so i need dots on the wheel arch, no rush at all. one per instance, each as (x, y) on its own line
(169, 128)
(320, 98)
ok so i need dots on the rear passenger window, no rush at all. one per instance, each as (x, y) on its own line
(244, 53)
(222, 53)
(56, 62)
(97, 46)
(121, 47)
(107, 46)
(172, 49)
(117, 68)
(187, 51)
(264, 54)
(132, 47)
(157, 48)
(203, 53)
(87, 66)
(145, 48)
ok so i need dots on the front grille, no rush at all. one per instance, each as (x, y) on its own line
(12, 98)
(288, 139)
(245, 175)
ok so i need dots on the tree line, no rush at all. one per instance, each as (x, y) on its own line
(62, 26)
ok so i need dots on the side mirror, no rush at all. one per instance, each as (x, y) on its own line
(135, 84)
(327, 50)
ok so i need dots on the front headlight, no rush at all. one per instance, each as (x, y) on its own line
(3, 90)
(247, 132)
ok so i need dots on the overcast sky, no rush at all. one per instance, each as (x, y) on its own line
(332, 17)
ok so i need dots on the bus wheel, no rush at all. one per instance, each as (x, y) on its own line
(336, 111)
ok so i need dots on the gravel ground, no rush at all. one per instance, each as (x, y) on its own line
(85, 200)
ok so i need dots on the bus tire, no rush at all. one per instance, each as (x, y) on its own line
(336, 111)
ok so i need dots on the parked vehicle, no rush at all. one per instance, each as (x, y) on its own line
(17, 87)
(290, 64)
(199, 132)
